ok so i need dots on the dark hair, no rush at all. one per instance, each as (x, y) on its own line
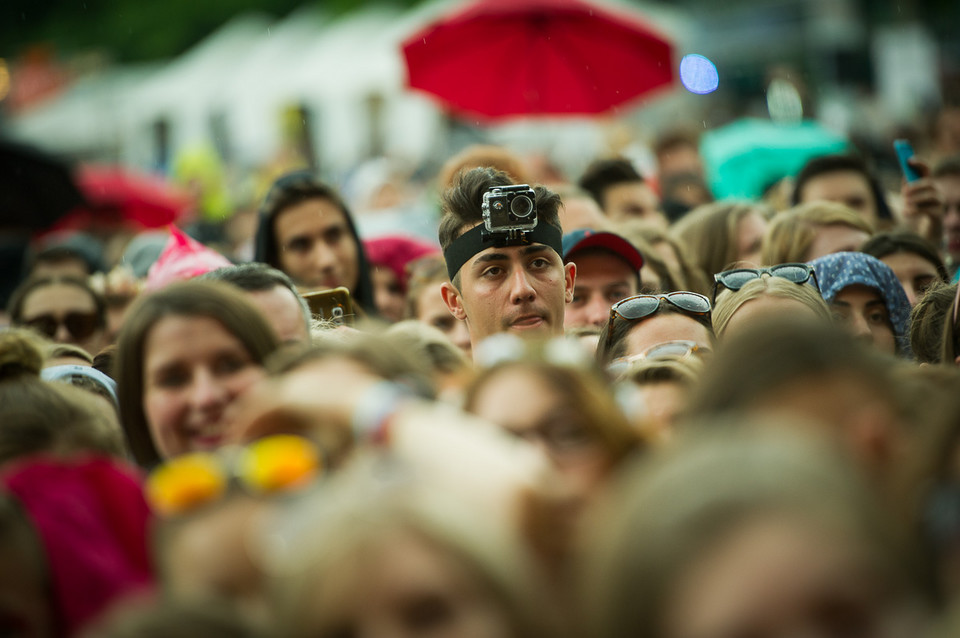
(291, 190)
(905, 241)
(604, 173)
(191, 299)
(835, 164)
(19, 297)
(613, 337)
(258, 277)
(462, 204)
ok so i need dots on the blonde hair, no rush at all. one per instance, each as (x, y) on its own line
(709, 233)
(729, 301)
(791, 233)
(370, 505)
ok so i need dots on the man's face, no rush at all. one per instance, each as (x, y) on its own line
(602, 280)
(315, 246)
(846, 187)
(632, 200)
(518, 289)
(949, 185)
(283, 312)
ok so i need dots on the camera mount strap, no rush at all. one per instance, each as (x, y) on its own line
(479, 238)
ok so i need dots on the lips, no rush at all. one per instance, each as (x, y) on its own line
(526, 322)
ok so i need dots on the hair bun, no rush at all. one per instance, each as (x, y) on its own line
(21, 352)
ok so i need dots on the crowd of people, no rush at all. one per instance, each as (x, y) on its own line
(607, 407)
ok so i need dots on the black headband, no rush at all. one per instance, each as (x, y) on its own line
(479, 238)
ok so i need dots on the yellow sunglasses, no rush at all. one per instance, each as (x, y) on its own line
(277, 463)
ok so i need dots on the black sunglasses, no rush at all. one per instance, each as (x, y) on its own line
(80, 325)
(738, 278)
(641, 306)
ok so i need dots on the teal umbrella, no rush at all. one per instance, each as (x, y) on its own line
(747, 156)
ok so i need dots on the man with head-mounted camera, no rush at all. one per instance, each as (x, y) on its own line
(502, 244)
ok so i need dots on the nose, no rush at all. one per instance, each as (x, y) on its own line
(323, 258)
(206, 391)
(860, 328)
(521, 289)
(62, 335)
(598, 311)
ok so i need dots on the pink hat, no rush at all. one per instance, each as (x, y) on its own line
(395, 252)
(91, 519)
(182, 258)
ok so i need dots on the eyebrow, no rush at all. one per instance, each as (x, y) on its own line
(528, 250)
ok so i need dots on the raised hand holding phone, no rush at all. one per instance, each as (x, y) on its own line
(904, 152)
(923, 205)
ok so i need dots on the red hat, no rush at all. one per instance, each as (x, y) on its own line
(395, 252)
(91, 519)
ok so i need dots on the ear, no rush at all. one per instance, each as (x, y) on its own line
(451, 297)
(570, 276)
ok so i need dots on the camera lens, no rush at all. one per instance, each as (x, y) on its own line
(521, 206)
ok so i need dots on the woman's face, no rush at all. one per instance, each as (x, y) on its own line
(406, 587)
(862, 310)
(193, 370)
(776, 576)
(525, 405)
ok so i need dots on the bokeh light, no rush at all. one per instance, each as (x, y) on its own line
(698, 74)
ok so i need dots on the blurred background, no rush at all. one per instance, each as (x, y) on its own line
(251, 87)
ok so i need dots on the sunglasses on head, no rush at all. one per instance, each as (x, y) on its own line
(738, 278)
(80, 325)
(677, 350)
(278, 463)
(642, 306)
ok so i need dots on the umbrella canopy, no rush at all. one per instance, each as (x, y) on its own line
(36, 189)
(502, 58)
(121, 196)
(747, 156)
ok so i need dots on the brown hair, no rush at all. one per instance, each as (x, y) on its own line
(19, 296)
(791, 233)
(217, 301)
(709, 233)
(691, 277)
(927, 322)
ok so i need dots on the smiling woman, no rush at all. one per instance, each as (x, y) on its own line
(185, 354)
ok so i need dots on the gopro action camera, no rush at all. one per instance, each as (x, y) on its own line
(509, 209)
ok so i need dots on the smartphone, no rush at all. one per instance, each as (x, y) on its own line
(333, 305)
(904, 152)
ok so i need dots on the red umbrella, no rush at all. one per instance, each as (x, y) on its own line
(503, 58)
(119, 195)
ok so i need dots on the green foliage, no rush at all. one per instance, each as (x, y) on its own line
(136, 30)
